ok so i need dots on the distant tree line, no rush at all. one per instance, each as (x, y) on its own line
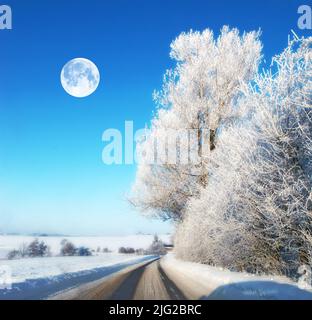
(35, 249)
(39, 248)
(156, 248)
(69, 249)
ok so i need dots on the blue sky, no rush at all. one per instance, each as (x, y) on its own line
(52, 178)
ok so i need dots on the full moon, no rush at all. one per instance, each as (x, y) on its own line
(80, 77)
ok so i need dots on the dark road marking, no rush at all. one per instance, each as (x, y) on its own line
(127, 289)
(174, 292)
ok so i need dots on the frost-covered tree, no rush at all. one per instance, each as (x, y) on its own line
(279, 193)
(199, 96)
(83, 251)
(67, 248)
(256, 212)
(157, 247)
(38, 249)
(13, 254)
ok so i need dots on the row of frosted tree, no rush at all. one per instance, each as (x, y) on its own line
(245, 202)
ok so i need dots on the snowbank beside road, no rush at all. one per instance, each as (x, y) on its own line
(34, 268)
(39, 278)
(198, 281)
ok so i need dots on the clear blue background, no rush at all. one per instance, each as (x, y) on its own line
(52, 178)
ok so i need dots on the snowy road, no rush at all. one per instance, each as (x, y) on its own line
(146, 281)
(171, 279)
(151, 278)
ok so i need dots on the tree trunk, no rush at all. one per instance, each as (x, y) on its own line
(212, 139)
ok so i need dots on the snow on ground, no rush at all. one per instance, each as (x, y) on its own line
(34, 268)
(36, 278)
(8, 242)
(198, 281)
(39, 278)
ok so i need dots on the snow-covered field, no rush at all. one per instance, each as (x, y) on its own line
(39, 278)
(8, 243)
(198, 281)
(33, 278)
(35, 268)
